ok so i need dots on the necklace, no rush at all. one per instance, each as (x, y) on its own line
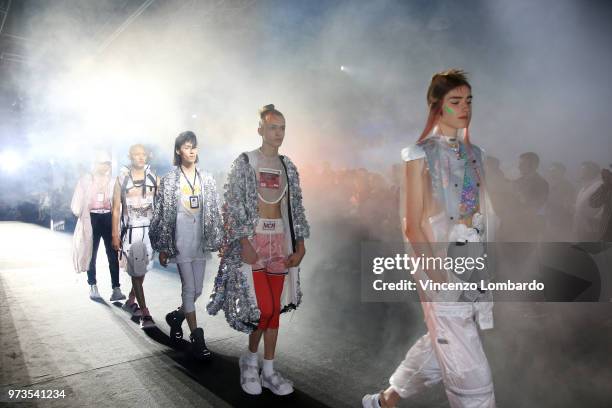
(266, 156)
(450, 141)
(454, 145)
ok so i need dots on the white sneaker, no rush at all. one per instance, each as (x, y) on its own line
(93, 292)
(249, 375)
(371, 401)
(117, 295)
(277, 383)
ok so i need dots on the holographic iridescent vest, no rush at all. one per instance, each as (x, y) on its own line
(456, 177)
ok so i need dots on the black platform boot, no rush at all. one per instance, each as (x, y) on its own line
(198, 345)
(175, 320)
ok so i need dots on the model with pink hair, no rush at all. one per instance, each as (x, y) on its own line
(446, 208)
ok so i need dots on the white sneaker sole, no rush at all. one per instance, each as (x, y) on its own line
(256, 392)
(264, 384)
(113, 298)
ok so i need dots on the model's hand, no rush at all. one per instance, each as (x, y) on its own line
(163, 259)
(116, 243)
(248, 253)
(295, 258)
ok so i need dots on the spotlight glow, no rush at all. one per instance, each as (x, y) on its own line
(10, 161)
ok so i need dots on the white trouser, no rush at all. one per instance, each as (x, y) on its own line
(451, 352)
(192, 280)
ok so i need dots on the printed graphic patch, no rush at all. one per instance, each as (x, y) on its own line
(269, 178)
(269, 225)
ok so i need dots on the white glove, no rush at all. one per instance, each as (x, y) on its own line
(478, 222)
(462, 233)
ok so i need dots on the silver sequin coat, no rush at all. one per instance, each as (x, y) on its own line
(232, 290)
(163, 225)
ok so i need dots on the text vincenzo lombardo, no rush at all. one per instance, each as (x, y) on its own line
(459, 265)
(430, 285)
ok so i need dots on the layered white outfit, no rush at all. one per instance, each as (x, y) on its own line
(451, 352)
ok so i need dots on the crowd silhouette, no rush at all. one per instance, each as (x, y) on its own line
(542, 204)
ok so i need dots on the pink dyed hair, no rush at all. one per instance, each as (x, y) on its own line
(441, 84)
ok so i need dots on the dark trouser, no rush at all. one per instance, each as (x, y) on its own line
(101, 224)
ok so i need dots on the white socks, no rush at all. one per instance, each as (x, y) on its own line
(268, 367)
(252, 357)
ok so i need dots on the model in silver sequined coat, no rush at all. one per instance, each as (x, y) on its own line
(163, 224)
(233, 289)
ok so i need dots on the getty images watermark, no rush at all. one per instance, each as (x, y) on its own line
(458, 265)
(516, 271)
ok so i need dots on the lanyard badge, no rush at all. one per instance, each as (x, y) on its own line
(194, 200)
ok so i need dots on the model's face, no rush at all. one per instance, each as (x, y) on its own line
(272, 130)
(138, 157)
(457, 108)
(188, 153)
(102, 168)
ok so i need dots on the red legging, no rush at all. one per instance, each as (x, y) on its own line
(268, 290)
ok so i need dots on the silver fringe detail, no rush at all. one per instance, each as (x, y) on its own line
(231, 291)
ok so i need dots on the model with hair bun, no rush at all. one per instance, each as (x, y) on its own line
(265, 229)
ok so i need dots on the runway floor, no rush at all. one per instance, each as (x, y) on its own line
(53, 337)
